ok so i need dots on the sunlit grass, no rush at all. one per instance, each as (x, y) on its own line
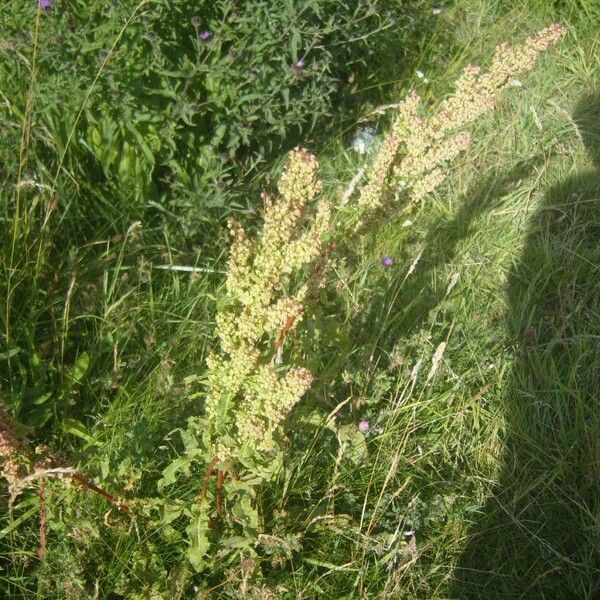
(490, 458)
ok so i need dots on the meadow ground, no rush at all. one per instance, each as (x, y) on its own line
(474, 358)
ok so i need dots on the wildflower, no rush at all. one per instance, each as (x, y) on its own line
(363, 139)
(421, 76)
(364, 425)
(205, 35)
(196, 21)
(436, 11)
(387, 261)
(45, 4)
(299, 64)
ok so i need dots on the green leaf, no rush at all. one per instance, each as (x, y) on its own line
(169, 474)
(40, 417)
(80, 367)
(78, 429)
(197, 532)
(236, 541)
(9, 353)
(14, 524)
(327, 565)
(286, 97)
(139, 138)
(247, 516)
(171, 512)
(96, 141)
(294, 44)
(42, 398)
(353, 442)
(190, 441)
(127, 156)
(219, 134)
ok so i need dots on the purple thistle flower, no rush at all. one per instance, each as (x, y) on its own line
(299, 64)
(364, 425)
(387, 261)
(45, 4)
(205, 35)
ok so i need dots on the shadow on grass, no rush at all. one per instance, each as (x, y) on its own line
(537, 535)
(408, 303)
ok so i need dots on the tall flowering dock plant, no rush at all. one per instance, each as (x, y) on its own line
(415, 154)
(248, 394)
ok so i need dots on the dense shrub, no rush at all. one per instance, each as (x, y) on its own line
(191, 98)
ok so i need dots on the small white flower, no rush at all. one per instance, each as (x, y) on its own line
(363, 139)
(421, 76)
(410, 533)
(436, 11)
(516, 83)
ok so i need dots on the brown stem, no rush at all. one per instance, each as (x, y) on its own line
(209, 471)
(220, 479)
(81, 480)
(288, 325)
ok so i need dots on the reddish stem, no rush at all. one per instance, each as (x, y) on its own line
(220, 480)
(90, 486)
(209, 471)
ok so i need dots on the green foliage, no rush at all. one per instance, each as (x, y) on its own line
(173, 118)
(491, 462)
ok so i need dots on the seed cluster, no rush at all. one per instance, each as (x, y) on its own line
(417, 150)
(267, 284)
(248, 396)
(17, 459)
(13, 460)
